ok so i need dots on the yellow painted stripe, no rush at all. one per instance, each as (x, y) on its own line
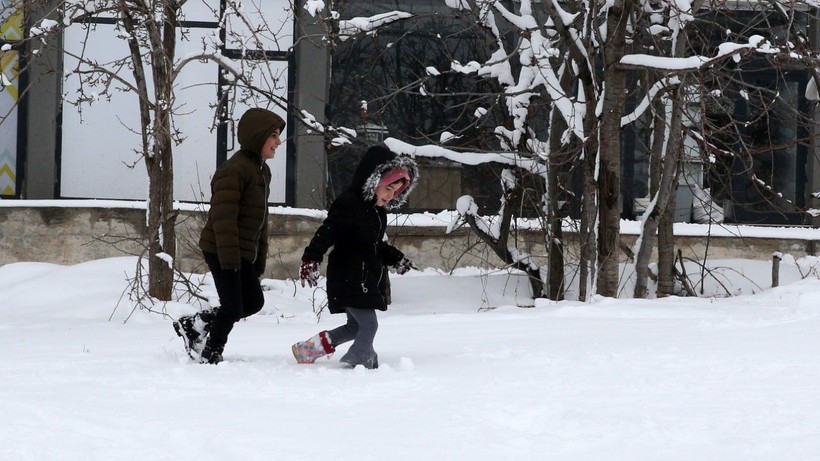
(12, 28)
(7, 57)
(13, 92)
(7, 180)
(8, 66)
(6, 169)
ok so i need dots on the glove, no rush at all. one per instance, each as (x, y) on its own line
(309, 272)
(404, 266)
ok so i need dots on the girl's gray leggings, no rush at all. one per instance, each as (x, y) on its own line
(361, 327)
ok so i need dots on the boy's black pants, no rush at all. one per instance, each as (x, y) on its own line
(240, 296)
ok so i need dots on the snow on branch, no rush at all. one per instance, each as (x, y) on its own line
(460, 5)
(535, 54)
(310, 120)
(466, 158)
(467, 209)
(354, 26)
(647, 100)
(314, 7)
(469, 68)
(76, 10)
(525, 22)
(495, 231)
(215, 56)
(646, 61)
(46, 25)
(522, 258)
(566, 18)
(338, 135)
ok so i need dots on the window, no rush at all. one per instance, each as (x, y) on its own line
(385, 69)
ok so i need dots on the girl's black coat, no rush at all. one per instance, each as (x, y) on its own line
(355, 229)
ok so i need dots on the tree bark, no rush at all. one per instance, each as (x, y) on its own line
(660, 220)
(158, 154)
(164, 51)
(666, 249)
(649, 220)
(555, 235)
(577, 77)
(500, 247)
(609, 172)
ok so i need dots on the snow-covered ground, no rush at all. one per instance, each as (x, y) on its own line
(465, 375)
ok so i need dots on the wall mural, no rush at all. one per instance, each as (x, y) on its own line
(11, 29)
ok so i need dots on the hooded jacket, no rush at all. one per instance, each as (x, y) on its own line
(355, 229)
(237, 225)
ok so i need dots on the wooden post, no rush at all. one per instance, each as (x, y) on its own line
(776, 269)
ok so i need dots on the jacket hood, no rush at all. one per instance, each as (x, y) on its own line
(254, 128)
(377, 162)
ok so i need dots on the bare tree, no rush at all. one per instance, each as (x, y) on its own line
(577, 56)
(694, 107)
(149, 67)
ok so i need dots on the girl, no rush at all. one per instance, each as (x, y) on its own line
(355, 228)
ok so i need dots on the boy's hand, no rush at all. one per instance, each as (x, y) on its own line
(404, 266)
(309, 272)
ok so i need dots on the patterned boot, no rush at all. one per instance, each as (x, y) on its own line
(315, 347)
(193, 329)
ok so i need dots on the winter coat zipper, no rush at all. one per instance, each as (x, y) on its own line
(264, 210)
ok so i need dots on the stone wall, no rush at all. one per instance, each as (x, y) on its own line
(65, 235)
(71, 235)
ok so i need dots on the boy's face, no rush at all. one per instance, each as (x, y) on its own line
(269, 148)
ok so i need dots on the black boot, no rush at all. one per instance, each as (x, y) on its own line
(212, 353)
(371, 362)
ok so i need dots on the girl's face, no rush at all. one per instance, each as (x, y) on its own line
(269, 148)
(384, 194)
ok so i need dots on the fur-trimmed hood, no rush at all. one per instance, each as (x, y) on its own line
(377, 162)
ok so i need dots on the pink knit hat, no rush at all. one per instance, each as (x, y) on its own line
(394, 175)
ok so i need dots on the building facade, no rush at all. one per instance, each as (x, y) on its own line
(50, 147)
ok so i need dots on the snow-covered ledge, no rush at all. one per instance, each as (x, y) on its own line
(73, 231)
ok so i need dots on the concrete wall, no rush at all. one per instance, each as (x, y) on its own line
(68, 236)
(73, 235)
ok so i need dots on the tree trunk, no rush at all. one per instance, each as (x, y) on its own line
(649, 221)
(499, 244)
(609, 173)
(573, 79)
(588, 214)
(589, 150)
(161, 214)
(161, 227)
(662, 212)
(666, 249)
(660, 219)
(555, 236)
